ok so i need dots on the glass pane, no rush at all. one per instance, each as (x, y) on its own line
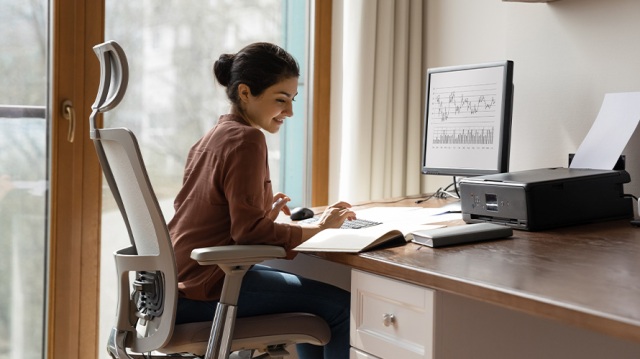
(23, 177)
(173, 99)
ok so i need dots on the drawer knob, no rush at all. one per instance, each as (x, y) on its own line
(388, 319)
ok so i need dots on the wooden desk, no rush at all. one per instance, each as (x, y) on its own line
(586, 276)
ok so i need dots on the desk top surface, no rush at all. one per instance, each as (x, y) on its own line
(586, 275)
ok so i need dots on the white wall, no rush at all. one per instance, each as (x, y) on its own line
(567, 54)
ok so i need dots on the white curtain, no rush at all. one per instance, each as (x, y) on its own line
(376, 99)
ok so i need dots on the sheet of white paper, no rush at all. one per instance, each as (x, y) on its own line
(609, 134)
(417, 215)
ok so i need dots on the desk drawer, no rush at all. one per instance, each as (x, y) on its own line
(391, 319)
(357, 354)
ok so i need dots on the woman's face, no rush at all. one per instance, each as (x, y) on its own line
(268, 110)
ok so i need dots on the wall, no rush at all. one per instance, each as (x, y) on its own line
(567, 55)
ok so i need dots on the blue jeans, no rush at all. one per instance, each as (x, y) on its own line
(269, 291)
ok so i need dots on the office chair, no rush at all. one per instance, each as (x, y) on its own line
(145, 317)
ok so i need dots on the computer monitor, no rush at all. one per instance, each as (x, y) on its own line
(467, 121)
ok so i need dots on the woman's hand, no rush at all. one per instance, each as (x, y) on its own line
(279, 205)
(335, 215)
(332, 217)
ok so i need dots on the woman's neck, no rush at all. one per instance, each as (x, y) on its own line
(237, 111)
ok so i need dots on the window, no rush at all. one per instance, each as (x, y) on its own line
(23, 178)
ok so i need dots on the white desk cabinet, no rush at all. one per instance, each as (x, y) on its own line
(390, 319)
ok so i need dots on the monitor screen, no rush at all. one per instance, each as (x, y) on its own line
(467, 121)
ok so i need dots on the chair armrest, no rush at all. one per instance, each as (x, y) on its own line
(237, 254)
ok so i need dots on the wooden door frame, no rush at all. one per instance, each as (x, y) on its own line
(75, 180)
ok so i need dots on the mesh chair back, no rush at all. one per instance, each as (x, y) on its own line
(146, 307)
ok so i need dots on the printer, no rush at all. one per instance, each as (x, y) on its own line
(546, 198)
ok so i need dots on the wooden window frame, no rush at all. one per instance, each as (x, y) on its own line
(321, 103)
(75, 181)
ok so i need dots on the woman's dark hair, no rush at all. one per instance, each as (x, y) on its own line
(259, 66)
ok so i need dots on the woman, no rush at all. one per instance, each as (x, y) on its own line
(227, 198)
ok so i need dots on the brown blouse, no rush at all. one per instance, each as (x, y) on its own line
(225, 198)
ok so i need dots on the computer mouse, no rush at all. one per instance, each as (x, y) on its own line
(300, 213)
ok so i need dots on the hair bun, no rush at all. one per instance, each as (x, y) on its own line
(222, 68)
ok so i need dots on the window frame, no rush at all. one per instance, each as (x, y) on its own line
(293, 168)
(73, 247)
(321, 102)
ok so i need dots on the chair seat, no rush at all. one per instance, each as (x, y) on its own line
(253, 332)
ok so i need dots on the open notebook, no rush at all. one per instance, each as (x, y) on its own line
(393, 224)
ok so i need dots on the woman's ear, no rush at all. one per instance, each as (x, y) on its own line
(243, 92)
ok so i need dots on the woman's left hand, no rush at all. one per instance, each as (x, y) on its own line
(279, 205)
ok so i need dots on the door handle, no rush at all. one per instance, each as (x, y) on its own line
(69, 113)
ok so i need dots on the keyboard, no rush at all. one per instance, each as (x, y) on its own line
(353, 224)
